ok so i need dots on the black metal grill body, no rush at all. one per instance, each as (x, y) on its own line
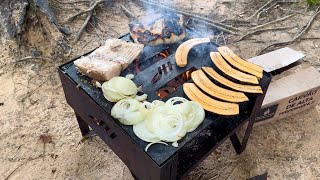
(160, 162)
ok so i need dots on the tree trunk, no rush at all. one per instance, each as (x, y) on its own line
(32, 25)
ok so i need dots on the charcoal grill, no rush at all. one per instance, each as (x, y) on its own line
(159, 162)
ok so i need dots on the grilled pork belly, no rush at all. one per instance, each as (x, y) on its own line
(109, 60)
(166, 29)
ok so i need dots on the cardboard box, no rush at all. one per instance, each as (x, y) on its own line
(294, 88)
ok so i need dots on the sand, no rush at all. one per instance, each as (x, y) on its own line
(39, 135)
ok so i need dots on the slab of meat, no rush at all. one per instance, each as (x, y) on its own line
(109, 60)
(156, 30)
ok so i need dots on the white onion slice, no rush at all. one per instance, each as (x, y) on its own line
(124, 85)
(175, 144)
(130, 76)
(150, 144)
(156, 103)
(144, 134)
(118, 88)
(167, 126)
(195, 117)
(129, 111)
(98, 84)
(174, 100)
(143, 97)
(147, 105)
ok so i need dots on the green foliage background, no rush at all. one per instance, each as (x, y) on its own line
(313, 2)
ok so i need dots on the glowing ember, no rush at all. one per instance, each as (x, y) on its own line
(175, 83)
(140, 66)
(163, 54)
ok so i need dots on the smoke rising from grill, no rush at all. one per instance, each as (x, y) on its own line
(195, 29)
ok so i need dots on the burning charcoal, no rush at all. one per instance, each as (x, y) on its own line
(160, 29)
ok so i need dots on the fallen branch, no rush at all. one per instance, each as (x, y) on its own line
(217, 38)
(287, 1)
(272, 22)
(261, 8)
(96, 30)
(224, 39)
(108, 26)
(235, 20)
(309, 38)
(89, 13)
(90, 9)
(32, 57)
(30, 93)
(194, 16)
(265, 10)
(128, 13)
(84, 25)
(298, 35)
(259, 11)
(73, 2)
(262, 30)
(298, 12)
(30, 159)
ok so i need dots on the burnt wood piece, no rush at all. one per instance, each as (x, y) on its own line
(162, 162)
(12, 17)
(260, 177)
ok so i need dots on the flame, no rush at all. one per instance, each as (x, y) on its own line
(163, 54)
(187, 75)
(175, 83)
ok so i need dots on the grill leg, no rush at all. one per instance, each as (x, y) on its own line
(84, 128)
(134, 176)
(238, 146)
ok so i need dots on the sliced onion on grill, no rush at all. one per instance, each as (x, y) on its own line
(150, 144)
(156, 103)
(143, 97)
(174, 100)
(194, 117)
(129, 111)
(119, 88)
(144, 134)
(193, 113)
(159, 122)
(124, 85)
(168, 126)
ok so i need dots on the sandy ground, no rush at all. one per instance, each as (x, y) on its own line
(39, 136)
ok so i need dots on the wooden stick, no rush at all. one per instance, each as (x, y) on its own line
(286, 1)
(235, 20)
(128, 13)
(108, 26)
(309, 38)
(73, 2)
(30, 159)
(298, 35)
(272, 22)
(298, 12)
(224, 39)
(264, 10)
(263, 30)
(95, 29)
(32, 57)
(261, 8)
(86, 11)
(84, 25)
(217, 38)
(194, 16)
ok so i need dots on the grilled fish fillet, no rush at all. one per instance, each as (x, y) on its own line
(109, 60)
(164, 29)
